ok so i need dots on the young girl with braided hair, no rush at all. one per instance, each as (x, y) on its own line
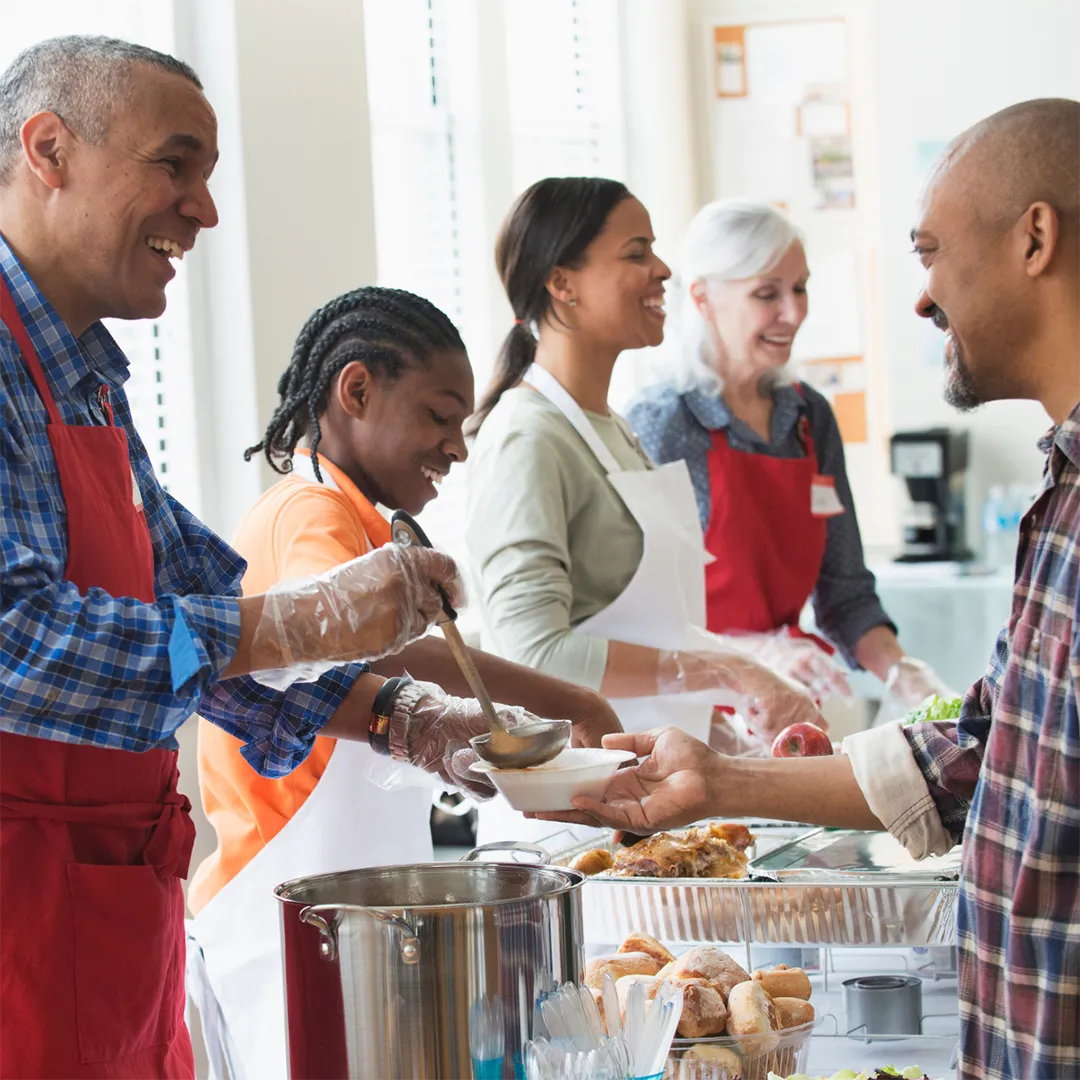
(370, 414)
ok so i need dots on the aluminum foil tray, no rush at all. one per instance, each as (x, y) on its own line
(823, 906)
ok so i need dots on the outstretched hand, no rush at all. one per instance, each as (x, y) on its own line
(675, 785)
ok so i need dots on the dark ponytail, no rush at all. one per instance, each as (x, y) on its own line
(550, 225)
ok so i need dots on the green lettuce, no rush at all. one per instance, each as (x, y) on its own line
(935, 708)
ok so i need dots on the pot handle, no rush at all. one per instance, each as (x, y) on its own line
(313, 915)
(542, 856)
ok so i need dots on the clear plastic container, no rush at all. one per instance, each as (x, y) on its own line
(744, 1057)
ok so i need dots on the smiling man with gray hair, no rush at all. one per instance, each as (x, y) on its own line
(120, 612)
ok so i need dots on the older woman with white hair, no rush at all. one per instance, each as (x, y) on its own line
(766, 459)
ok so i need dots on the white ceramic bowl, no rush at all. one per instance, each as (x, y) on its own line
(553, 785)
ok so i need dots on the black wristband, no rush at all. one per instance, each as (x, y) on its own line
(382, 708)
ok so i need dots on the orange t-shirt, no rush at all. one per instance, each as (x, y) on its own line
(297, 528)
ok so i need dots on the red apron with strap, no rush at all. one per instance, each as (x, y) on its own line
(767, 540)
(93, 841)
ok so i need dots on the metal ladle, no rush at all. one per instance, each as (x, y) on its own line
(505, 748)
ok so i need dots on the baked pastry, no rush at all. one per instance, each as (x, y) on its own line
(646, 943)
(711, 964)
(721, 1062)
(703, 1011)
(784, 981)
(752, 1016)
(594, 862)
(793, 1012)
(701, 851)
(618, 966)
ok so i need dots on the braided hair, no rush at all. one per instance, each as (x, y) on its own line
(386, 329)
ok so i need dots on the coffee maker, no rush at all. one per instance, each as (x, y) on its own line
(933, 464)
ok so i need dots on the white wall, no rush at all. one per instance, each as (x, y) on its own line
(939, 66)
(295, 196)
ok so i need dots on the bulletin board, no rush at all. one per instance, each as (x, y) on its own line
(786, 138)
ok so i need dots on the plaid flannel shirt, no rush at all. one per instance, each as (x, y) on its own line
(113, 671)
(1007, 777)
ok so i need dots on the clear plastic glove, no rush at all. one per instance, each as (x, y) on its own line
(370, 607)
(910, 682)
(770, 701)
(431, 730)
(799, 658)
(729, 736)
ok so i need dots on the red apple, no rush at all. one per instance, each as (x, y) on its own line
(801, 740)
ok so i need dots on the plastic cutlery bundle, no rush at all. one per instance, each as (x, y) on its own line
(626, 1044)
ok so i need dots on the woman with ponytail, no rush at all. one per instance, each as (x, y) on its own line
(589, 560)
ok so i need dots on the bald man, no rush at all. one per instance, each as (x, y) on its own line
(997, 233)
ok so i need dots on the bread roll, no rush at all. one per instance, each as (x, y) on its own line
(721, 1062)
(665, 971)
(594, 862)
(752, 1016)
(703, 1011)
(617, 966)
(646, 943)
(793, 1012)
(711, 964)
(782, 981)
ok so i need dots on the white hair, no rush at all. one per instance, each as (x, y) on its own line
(729, 240)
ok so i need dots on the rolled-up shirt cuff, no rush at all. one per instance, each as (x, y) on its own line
(204, 637)
(896, 789)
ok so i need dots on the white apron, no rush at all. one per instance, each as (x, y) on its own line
(663, 606)
(235, 962)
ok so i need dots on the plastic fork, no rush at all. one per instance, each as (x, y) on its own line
(592, 1016)
(612, 1012)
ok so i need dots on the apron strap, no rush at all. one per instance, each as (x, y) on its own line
(169, 848)
(9, 314)
(222, 1058)
(545, 383)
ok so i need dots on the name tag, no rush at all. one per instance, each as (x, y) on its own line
(824, 502)
(136, 494)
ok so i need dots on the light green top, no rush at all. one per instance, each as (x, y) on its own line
(549, 541)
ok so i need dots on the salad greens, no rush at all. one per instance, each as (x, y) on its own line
(935, 708)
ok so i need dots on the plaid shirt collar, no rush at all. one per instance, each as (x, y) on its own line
(67, 361)
(1061, 443)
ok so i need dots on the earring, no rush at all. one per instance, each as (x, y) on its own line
(571, 303)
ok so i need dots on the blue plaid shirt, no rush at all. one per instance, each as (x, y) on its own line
(95, 668)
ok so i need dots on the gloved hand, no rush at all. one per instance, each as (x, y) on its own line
(912, 681)
(431, 729)
(370, 607)
(799, 658)
(770, 701)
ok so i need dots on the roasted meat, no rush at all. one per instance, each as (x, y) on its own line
(704, 851)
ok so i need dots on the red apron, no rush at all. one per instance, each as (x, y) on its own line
(93, 842)
(767, 541)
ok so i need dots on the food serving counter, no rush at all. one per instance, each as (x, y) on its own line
(873, 928)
